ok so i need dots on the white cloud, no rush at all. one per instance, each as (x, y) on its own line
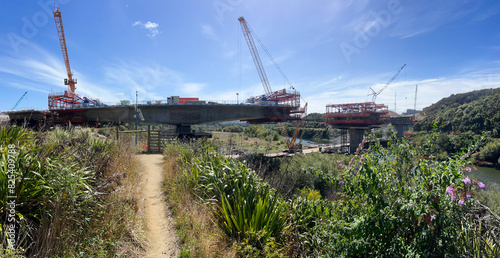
(152, 27)
(192, 89)
(42, 71)
(430, 90)
(416, 33)
(208, 31)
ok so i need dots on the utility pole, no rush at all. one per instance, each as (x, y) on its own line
(136, 117)
(395, 101)
(415, 102)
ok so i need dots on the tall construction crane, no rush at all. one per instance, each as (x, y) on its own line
(62, 40)
(376, 93)
(19, 101)
(255, 55)
(270, 95)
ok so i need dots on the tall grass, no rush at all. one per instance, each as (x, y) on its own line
(246, 209)
(194, 220)
(74, 194)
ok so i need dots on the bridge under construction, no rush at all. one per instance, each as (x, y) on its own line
(182, 115)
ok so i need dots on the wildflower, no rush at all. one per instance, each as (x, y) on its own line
(449, 189)
(453, 197)
(433, 217)
(480, 185)
(461, 202)
(466, 181)
(467, 169)
(467, 196)
(341, 182)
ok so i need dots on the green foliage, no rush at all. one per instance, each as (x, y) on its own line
(491, 152)
(258, 131)
(58, 175)
(475, 111)
(394, 201)
(246, 209)
(233, 129)
(310, 194)
(397, 201)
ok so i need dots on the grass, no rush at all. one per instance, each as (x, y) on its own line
(238, 141)
(76, 194)
(198, 235)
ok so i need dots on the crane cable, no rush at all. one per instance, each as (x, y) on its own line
(270, 57)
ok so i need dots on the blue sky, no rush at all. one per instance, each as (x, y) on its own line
(331, 51)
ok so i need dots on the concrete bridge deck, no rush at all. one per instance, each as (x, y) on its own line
(181, 115)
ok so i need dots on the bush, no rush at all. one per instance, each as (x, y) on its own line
(394, 201)
(246, 209)
(491, 152)
(65, 181)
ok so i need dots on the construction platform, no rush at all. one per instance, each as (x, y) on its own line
(353, 119)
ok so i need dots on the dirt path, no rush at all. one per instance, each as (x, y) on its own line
(160, 225)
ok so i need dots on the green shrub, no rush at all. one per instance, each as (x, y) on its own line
(247, 210)
(310, 194)
(394, 201)
(491, 152)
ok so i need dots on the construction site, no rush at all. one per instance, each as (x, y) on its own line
(70, 108)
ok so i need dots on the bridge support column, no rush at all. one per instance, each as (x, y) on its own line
(355, 138)
(400, 129)
(183, 130)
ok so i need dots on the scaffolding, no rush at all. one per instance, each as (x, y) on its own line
(69, 100)
(353, 119)
(280, 97)
(367, 114)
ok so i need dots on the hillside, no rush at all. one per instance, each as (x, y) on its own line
(475, 111)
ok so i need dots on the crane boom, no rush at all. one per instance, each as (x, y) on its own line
(62, 40)
(375, 94)
(19, 101)
(255, 54)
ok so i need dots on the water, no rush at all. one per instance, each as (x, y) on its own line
(487, 175)
(313, 142)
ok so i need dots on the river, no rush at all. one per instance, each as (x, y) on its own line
(487, 175)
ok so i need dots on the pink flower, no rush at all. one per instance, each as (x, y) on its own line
(466, 181)
(449, 189)
(467, 169)
(480, 185)
(461, 202)
(467, 196)
(453, 197)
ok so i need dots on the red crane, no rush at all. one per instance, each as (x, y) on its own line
(62, 40)
(69, 99)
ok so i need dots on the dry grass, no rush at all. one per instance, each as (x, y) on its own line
(249, 144)
(198, 234)
(113, 224)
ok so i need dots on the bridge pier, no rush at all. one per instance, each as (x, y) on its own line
(183, 129)
(355, 138)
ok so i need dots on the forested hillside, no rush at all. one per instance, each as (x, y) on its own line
(475, 111)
